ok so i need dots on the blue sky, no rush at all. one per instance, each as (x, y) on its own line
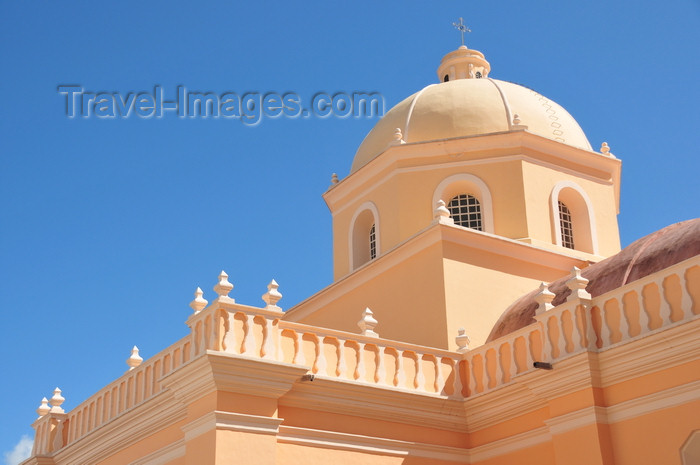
(108, 225)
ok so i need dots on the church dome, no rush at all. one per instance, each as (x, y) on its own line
(469, 103)
(657, 251)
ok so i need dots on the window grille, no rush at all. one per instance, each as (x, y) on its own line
(465, 210)
(567, 228)
(372, 243)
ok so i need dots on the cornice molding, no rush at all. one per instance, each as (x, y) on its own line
(221, 371)
(528, 146)
(229, 421)
(377, 402)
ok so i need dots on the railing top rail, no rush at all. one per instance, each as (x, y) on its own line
(378, 341)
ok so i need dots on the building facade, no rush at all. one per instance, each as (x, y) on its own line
(476, 242)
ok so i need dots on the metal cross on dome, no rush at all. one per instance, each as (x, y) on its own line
(461, 27)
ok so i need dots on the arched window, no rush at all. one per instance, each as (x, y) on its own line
(372, 243)
(474, 209)
(567, 227)
(465, 210)
(364, 238)
(446, 78)
(573, 219)
(478, 74)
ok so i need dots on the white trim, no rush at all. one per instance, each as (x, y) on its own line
(484, 196)
(163, 455)
(368, 205)
(229, 421)
(589, 207)
(651, 403)
(510, 444)
(410, 113)
(577, 419)
(509, 113)
(371, 445)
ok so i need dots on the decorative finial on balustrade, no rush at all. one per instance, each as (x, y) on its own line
(223, 287)
(462, 341)
(367, 323)
(442, 214)
(43, 408)
(272, 296)
(334, 179)
(199, 302)
(56, 401)
(577, 284)
(135, 359)
(544, 299)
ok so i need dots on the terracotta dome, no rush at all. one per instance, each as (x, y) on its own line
(469, 107)
(652, 253)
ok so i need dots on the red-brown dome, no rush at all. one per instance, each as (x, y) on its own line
(652, 253)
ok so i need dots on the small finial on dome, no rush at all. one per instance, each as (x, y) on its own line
(334, 179)
(517, 123)
(605, 150)
(398, 138)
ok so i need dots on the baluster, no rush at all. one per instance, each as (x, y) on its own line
(529, 359)
(360, 368)
(342, 366)
(320, 362)
(643, 315)
(624, 325)
(472, 376)
(513, 361)
(299, 358)
(419, 381)
(485, 368)
(380, 376)
(605, 331)
(249, 336)
(439, 380)
(562, 334)
(547, 350)
(664, 307)
(457, 378)
(400, 372)
(686, 301)
(268, 348)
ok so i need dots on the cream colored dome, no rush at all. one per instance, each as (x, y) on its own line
(469, 107)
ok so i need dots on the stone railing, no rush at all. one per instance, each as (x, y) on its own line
(580, 324)
(56, 429)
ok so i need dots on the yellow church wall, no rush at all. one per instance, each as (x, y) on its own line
(539, 454)
(663, 431)
(540, 182)
(145, 446)
(407, 299)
